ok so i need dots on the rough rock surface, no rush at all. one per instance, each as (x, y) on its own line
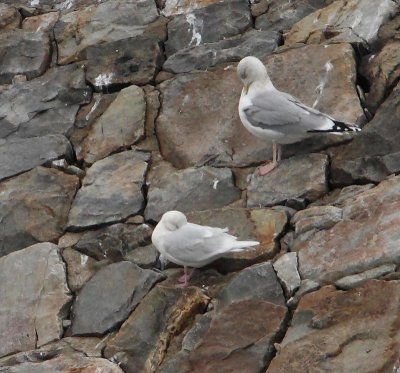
(199, 189)
(38, 300)
(21, 155)
(121, 125)
(302, 178)
(23, 53)
(109, 297)
(10, 18)
(206, 25)
(45, 105)
(119, 176)
(34, 207)
(286, 269)
(330, 328)
(370, 219)
(41, 23)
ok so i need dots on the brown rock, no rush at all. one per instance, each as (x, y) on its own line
(34, 207)
(141, 343)
(41, 23)
(336, 331)
(121, 125)
(175, 7)
(263, 225)
(10, 18)
(364, 239)
(33, 317)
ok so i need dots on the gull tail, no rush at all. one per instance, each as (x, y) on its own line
(337, 127)
(242, 245)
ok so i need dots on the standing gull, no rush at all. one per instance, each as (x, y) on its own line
(193, 245)
(277, 116)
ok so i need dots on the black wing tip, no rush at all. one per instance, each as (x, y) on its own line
(340, 127)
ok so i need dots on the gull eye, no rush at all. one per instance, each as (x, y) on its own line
(243, 74)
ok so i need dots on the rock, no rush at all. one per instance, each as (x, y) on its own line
(21, 155)
(350, 282)
(256, 43)
(375, 152)
(41, 23)
(121, 62)
(45, 105)
(318, 217)
(306, 286)
(73, 362)
(195, 110)
(80, 268)
(121, 125)
(339, 196)
(258, 282)
(34, 207)
(301, 177)
(108, 298)
(329, 328)
(286, 269)
(389, 30)
(111, 191)
(322, 77)
(263, 225)
(140, 344)
(113, 242)
(382, 73)
(99, 24)
(37, 275)
(10, 18)
(282, 16)
(206, 25)
(199, 189)
(315, 74)
(366, 237)
(353, 21)
(175, 7)
(143, 256)
(23, 52)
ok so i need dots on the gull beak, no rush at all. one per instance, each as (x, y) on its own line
(246, 88)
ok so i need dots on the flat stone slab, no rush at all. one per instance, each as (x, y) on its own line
(21, 155)
(33, 317)
(111, 191)
(332, 330)
(108, 298)
(34, 207)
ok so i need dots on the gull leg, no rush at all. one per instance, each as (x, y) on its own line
(183, 280)
(276, 157)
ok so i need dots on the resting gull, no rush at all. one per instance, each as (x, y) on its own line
(277, 116)
(193, 245)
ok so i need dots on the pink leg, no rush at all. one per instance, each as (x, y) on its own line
(185, 278)
(276, 157)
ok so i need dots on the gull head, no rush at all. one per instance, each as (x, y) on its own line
(250, 69)
(173, 220)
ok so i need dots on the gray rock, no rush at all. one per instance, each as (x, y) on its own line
(113, 242)
(33, 317)
(207, 25)
(282, 16)
(41, 23)
(256, 43)
(163, 313)
(143, 256)
(318, 217)
(34, 207)
(258, 282)
(21, 155)
(286, 269)
(306, 286)
(23, 53)
(108, 298)
(121, 125)
(111, 191)
(80, 268)
(45, 105)
(198, 189)
(10, 18)
(197, 332)
(47, 5)
(374, 153)
(127, 61)
(350, 282)
(101, 23)
(300, 177)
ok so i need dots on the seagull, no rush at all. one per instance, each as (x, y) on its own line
(277, 116)
(193, 245)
